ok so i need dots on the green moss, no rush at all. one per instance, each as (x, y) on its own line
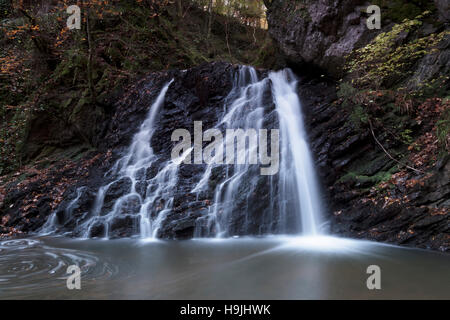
(405, 136)
(380, 177)
(384, 61)
(346, 91)
(359, 116)
(399, 10)
(46, 151)
(443, 131)
(82, 102)
(437, 87)
(129, 40)
(72, 65)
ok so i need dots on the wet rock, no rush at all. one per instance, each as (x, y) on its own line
(123, 226)
(97, 230)
(116, 190)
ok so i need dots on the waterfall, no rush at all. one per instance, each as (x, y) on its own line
(132, 167)
(246, 111)
(297, 172)
(238, 199)
(298, 208)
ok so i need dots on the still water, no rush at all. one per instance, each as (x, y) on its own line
(245, 268)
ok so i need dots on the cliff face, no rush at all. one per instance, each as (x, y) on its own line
(324, 32)
(443, 6)
(368, 194)
(320, 32)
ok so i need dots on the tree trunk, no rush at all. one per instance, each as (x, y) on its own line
(210, 5)
(179, 8)
(40, 41)
(89, 62)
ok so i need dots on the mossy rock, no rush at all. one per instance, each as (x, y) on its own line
(399, 10)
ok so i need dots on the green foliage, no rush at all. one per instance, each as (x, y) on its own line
(386, 59)
(128, 39)
(242, 9)
(346, 91)
(382, 176)
(352, 99)
(12, 135)
(266, 56)
(437, 87)
(359, 116)
(406, 136)
(5, 8)
(443, 130)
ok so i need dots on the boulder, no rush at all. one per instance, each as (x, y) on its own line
(319, 32)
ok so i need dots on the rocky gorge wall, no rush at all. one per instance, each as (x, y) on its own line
(319, 33)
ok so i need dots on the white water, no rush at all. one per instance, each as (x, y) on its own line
(139, 158)
(52, 222)
(297, 172)
(297, 185)
(295, 203)
(246, 111)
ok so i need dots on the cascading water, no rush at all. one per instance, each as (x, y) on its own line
(246, 111)
(242, 201)
(297, 194)
(297, 172)
(132, 167)
(139, 158)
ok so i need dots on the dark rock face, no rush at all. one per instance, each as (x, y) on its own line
(420, 215)
(321, 33)
(338, 146)
(195, 94)
(443, 7)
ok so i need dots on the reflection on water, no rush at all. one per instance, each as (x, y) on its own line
(246, 268)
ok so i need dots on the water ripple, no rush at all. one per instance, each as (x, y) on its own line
(28, 265)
